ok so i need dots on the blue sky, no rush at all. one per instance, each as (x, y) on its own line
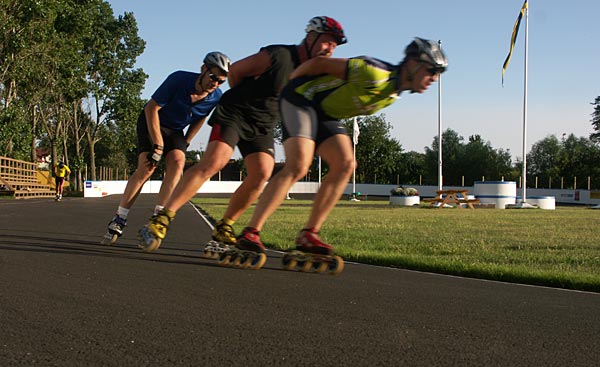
(563, 77)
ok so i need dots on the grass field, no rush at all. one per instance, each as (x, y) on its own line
(558, 248)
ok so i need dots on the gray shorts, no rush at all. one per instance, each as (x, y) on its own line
(307, 122)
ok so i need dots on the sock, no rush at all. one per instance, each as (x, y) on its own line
(158, 208)
(123, 212)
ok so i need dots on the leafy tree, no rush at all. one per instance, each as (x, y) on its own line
(544, 158)
(451, 153)
(466, 162)
(595, 137)
(378, 155)
(112, 48)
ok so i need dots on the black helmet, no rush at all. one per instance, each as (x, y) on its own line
(217, 59)
(427, 51)
(61, 164)
(327, 25)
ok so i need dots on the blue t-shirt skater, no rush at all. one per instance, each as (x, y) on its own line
(173, 96)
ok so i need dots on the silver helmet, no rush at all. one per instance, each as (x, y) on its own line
(427, 51)
(217, 59)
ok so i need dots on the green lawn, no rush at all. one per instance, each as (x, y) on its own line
(559, 248)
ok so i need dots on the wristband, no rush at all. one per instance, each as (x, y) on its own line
(154, 158)
(159, 147)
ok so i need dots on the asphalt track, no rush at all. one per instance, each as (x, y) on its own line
(66, 300)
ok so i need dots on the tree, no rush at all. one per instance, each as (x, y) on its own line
(466, 163)
(113, 49)
(378, 155)
(544, 158)
(595, 137)
(451, 153)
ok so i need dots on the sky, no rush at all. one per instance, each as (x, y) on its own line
(562, 79)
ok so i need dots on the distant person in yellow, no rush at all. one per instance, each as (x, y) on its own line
(61, 172)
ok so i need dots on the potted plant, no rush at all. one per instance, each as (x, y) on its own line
(407, 196)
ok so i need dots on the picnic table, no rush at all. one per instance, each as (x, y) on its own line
(452, 197)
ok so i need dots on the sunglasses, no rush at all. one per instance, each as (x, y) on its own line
(434, 70)
(215, 78)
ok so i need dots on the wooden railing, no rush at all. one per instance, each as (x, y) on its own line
(20, 179)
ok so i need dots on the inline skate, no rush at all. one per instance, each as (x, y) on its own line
(312, 254)
(114, 231)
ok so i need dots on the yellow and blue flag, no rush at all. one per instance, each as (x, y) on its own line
(513, 39)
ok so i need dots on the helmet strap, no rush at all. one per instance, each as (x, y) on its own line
(309, 50)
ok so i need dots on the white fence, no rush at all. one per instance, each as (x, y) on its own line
(104, 188)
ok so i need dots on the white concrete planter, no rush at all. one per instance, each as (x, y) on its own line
(405, 200)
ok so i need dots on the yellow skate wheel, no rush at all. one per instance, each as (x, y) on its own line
(336, 266)
(208, 254)
(258, 261)
(153, 246)
(113, 239)
(305, 266)
(237, 261)
(320, 267)
(288, 262)
(109, 241)
(224, 259)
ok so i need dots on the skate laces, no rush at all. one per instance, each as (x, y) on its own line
(162, 218)
(225, 229)
(309, 237)
(120, 221)
(251, 234)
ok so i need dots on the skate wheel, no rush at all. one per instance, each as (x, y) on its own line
(237, 261)
(336, 266)
(154, 245)
(109, 240)
(288, 262)
(113, 239)
(258, 261)
(305, 266)
(224, 259)
(208, 254)
(320, 267)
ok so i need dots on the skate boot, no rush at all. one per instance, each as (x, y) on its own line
(222, 238)
(114, 231)
(312, 254)
(152, 234)
(248, 252)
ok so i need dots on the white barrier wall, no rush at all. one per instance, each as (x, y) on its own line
(104, 188)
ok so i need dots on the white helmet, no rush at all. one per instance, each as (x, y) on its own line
(217, 59)
(327, 25)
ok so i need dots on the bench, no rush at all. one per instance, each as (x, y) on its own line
(451, 197)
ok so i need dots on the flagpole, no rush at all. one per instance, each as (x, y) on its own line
(354, 160)
(525, 105)
(440, 177)
(523, 204)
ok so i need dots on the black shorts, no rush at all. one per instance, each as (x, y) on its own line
(172, 139)
(227, 130)
(58, 180)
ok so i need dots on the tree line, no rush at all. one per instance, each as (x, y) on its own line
(68, 85)
(554, 162)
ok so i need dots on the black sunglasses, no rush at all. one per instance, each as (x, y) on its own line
(435, 70)
(215, 78)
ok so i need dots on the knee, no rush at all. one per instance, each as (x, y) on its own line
(344, 167)
(259, 176)
(297, 172)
